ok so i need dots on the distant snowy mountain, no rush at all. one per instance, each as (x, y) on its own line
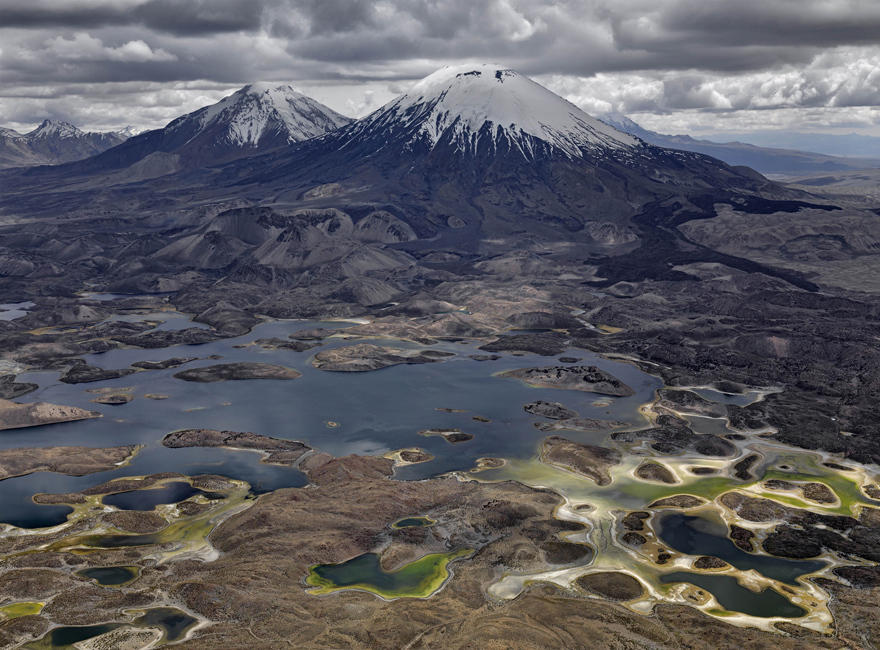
(50, 130)
(764, 159)
(472, 107)
(254, 119)
(52, 143)
(127, 132)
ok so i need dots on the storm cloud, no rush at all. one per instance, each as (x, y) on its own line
(106, 62)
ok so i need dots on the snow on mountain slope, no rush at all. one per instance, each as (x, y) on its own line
(251, 121)
(259, 111)
(127, 132)
(465, 104)
(52, 129)
(52, 143)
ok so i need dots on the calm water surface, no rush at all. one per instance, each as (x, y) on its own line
(376, 412)
(733, 597)
(703, 536)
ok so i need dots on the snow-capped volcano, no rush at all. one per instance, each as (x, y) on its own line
(260, 113)
(252, 120)
(471, 106)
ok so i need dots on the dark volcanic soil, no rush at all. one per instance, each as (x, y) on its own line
(589, 460)
(551, 410)
(279, 452)
(237, 371)
(586, 378)
(80, 372)
(74, 461)
(364, 357)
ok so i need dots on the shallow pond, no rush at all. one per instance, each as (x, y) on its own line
(63, 637)
(738, 399)
(167, 320)
(149, 498)
(733, 597)
(413, 522)
(16, 494)
(110, 576)
(701, 536)
(417, 579)
(173, 621)
(13, 310)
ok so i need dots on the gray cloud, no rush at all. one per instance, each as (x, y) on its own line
(172, 16)
(627, 55)
(781, 22)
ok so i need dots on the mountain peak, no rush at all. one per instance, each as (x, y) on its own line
(623, 123)
(53, 128)
(53, 142)
(266, 88)
(128, 131)
(261, 110)
(473, 73)
(465, 104)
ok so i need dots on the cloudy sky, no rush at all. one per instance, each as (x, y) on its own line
(679, 66)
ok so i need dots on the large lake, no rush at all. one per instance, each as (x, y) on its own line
(376, 412)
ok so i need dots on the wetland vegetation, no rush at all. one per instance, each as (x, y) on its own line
(417, 579)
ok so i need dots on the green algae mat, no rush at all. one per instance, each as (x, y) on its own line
(418, 579)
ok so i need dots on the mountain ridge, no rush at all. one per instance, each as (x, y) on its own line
(53, 143)
(254, 119)
(768, 160)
